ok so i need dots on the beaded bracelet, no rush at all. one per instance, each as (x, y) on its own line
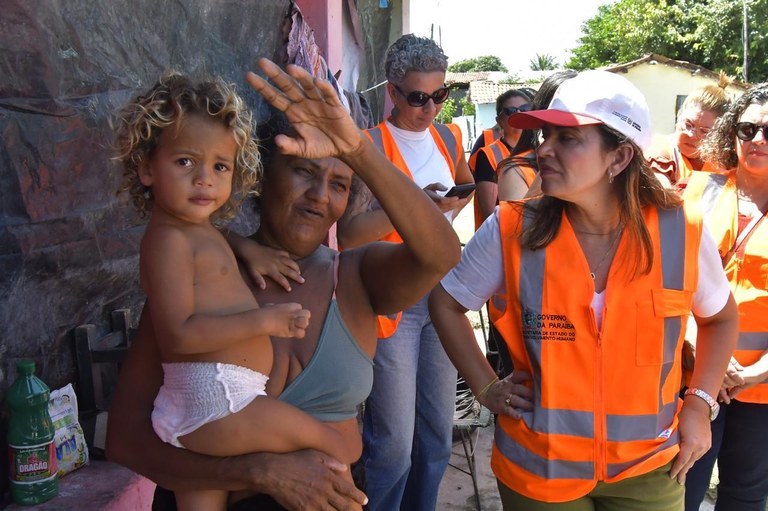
(486, 388)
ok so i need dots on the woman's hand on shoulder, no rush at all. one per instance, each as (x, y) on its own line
(323, 126)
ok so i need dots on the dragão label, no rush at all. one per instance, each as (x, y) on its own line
(32, 464)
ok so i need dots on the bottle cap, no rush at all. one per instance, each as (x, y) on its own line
(25, 367)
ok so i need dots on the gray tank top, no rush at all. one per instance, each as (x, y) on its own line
(338, 377)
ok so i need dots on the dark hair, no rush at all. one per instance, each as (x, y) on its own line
(637, 187)
(720, 146)
(511, 93)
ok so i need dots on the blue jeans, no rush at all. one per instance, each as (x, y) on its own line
(409, 416)
(741, 451)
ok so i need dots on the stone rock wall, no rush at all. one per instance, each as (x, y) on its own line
(68, 245)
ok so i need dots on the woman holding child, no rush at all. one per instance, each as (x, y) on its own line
(328, 372)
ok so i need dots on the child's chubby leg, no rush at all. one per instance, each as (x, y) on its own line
(201, 500)
(268, 425)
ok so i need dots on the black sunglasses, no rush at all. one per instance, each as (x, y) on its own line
(509, 110)
(747, 131)
(419, 99)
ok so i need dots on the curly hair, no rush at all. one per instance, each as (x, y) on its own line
(719, 147)
(413, 53)
(139, 124)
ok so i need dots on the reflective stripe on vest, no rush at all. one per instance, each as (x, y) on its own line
(648, 434)
(717, 196)
(489, 135)
(495, 153)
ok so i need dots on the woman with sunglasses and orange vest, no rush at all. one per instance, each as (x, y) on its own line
(734, 206)
(488, 158)
(593, 283)
(677, 156)
(409, 415)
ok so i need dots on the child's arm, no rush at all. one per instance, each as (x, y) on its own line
(168, 277)
(301, 480)
(260, 260)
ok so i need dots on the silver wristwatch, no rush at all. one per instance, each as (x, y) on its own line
(714, 406)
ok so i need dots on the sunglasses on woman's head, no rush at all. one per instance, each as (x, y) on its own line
(509, 110)
(747, 131)
(419, 99)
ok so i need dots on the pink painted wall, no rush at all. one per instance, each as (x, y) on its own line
(325, 17)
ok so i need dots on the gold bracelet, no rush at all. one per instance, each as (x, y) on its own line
(486, 388)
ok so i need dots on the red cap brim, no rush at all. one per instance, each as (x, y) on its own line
(535, 119)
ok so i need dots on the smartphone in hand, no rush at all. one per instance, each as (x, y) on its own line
(461, 191)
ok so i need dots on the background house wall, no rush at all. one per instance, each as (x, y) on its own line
(662, 81)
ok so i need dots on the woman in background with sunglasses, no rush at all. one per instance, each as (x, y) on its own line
(409, 414)
(489, 157)
(734, 206)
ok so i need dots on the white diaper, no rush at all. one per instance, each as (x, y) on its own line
(196, 393)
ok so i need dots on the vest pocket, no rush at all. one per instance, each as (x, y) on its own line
(656, 339)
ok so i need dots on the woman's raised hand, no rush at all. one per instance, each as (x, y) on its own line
(323, 127)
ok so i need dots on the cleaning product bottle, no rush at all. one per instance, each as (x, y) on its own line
(30, 438)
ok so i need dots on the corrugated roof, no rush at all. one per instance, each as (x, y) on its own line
(465, 78)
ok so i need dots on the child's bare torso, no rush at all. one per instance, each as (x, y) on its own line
(219, 289)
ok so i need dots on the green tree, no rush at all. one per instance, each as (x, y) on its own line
(467, 107)
(478, 64)
(448, 112)
(544, 62)
(704, 32)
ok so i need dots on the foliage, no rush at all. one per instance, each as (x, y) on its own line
(703, 32)
(448, 112)
(467, 107)
(478, 64)
(544, 62)
(513, 79)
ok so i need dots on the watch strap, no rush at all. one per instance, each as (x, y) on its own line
(713, 404)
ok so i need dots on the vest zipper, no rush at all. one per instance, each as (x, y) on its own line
(599, 415)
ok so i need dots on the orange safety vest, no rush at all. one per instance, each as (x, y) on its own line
(448, 140)
(525, 162)
(676, 167)
(495, 152)
(746, 270)
(606, 402)
(489, 135)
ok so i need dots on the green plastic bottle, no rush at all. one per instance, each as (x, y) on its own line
(30, 439)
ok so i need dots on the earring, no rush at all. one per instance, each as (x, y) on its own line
(610, 177)
(147, 193)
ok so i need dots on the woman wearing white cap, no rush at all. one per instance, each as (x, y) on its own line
(591, 285)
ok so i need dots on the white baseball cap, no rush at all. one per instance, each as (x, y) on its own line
(594, 97)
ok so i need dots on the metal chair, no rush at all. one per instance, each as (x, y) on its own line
(469, 416)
